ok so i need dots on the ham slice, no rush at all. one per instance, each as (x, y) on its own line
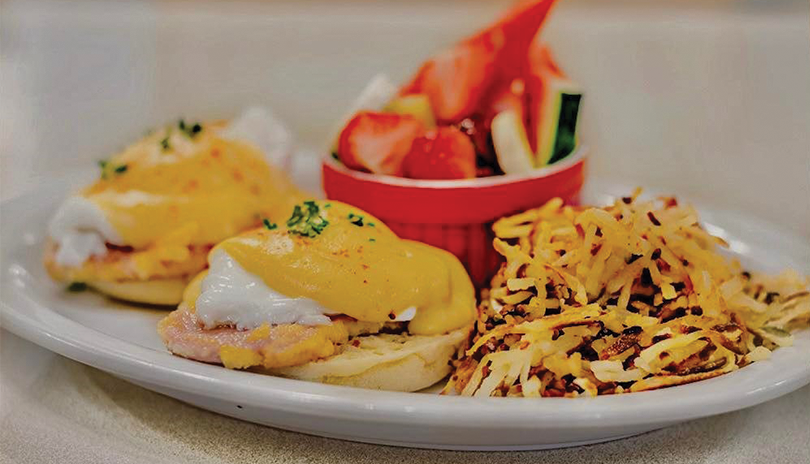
(266, 346)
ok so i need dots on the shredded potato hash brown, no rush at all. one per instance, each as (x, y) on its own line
(626, 298)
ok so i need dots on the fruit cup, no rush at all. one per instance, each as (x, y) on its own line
(455, 215)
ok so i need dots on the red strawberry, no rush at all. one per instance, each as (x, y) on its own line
(507, 95)
(442, 153)
(501, 97)
(456, 80)
(477, 128)
(378, 142)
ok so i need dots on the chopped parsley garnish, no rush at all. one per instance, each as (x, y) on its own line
(307, 221)
(372, 240)
(269, 225)
(356, 219)
(77, 287)
(335, 156)
(164, 143)
(297, 216)
(189, 130)
(106, 166)
(328, 205)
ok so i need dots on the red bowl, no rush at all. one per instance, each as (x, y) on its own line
(455, 215)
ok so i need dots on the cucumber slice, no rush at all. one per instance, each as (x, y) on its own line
(566, 139)
(511, 143)
(556, 133)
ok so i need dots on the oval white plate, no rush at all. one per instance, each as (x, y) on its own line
(122, 340)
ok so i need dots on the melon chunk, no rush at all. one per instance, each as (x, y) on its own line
(416, 105)
(512, 147)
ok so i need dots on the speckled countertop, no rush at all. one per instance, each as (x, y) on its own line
(56, 410)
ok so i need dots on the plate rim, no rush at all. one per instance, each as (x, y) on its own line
(64, 336)
(380, 406)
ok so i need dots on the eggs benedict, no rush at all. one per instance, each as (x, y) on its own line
(329, 295)
(145, 227)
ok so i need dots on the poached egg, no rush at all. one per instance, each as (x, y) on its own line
(214, 178)
(331, 259)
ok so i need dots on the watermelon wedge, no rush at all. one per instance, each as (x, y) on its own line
(553, 108)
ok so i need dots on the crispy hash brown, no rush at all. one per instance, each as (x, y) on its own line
(630, 297)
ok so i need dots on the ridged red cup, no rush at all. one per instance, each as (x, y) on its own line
(455, 215)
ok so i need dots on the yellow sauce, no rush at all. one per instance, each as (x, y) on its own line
(363, 271)
(171, 181)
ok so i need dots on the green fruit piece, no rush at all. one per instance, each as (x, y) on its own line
(416, 105)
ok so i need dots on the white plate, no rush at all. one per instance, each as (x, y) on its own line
(122, 340)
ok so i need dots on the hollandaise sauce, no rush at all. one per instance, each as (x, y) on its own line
(184, 177)
(329, 258)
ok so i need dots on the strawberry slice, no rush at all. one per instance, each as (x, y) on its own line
(442, 153)
(378, 142)
(503, 96)
(456, 79)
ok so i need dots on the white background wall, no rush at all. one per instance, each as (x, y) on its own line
(706, 99)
